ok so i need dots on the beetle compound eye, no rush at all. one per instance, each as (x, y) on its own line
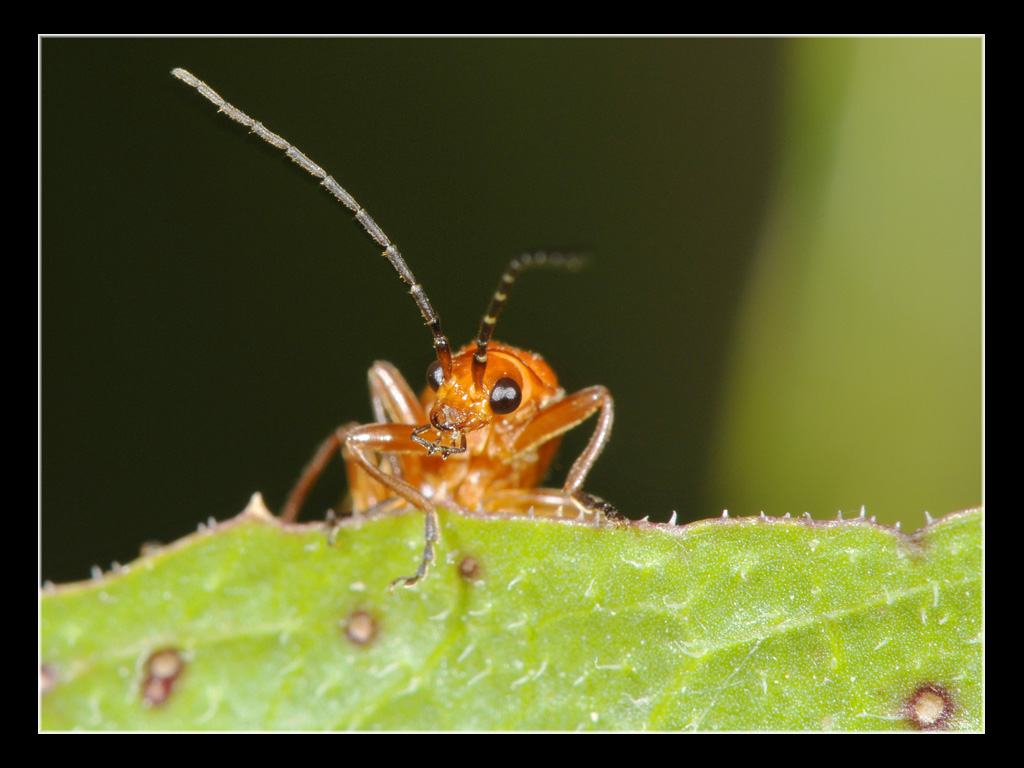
(506, 396)
(435, 376)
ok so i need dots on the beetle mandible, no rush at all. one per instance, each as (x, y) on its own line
(487, 425)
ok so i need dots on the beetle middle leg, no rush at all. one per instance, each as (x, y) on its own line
(361, 443)
(397, 410)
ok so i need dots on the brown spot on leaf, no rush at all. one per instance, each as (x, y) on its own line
(163, 668)
(929, 708)
(47, 679)
(361, 628)
(469, 568)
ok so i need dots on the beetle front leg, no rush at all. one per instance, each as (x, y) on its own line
(361, 442)
(396, 438)
(393, 402)
(560, 417)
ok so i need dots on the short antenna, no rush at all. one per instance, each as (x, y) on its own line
(519, 263)
(391, 252)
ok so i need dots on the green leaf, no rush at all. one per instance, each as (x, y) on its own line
(526, 623)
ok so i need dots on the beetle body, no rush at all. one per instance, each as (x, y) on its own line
(484, 431)
(495, 460)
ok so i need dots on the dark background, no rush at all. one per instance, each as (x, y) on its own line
(209, 314)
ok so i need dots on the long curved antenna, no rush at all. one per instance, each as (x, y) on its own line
(391, 253)
(518, 264)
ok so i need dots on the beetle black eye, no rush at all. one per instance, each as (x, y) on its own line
(506, 396)
(435, 376)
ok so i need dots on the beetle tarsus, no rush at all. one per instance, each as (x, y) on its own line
(432, 534)
(589, 503)
(436, 446)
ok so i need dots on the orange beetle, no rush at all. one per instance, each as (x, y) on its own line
(484, 430)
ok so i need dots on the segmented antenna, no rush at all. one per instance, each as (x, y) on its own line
(391, 253)
(566, 261)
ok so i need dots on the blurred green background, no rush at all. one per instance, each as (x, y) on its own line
(784, 296)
